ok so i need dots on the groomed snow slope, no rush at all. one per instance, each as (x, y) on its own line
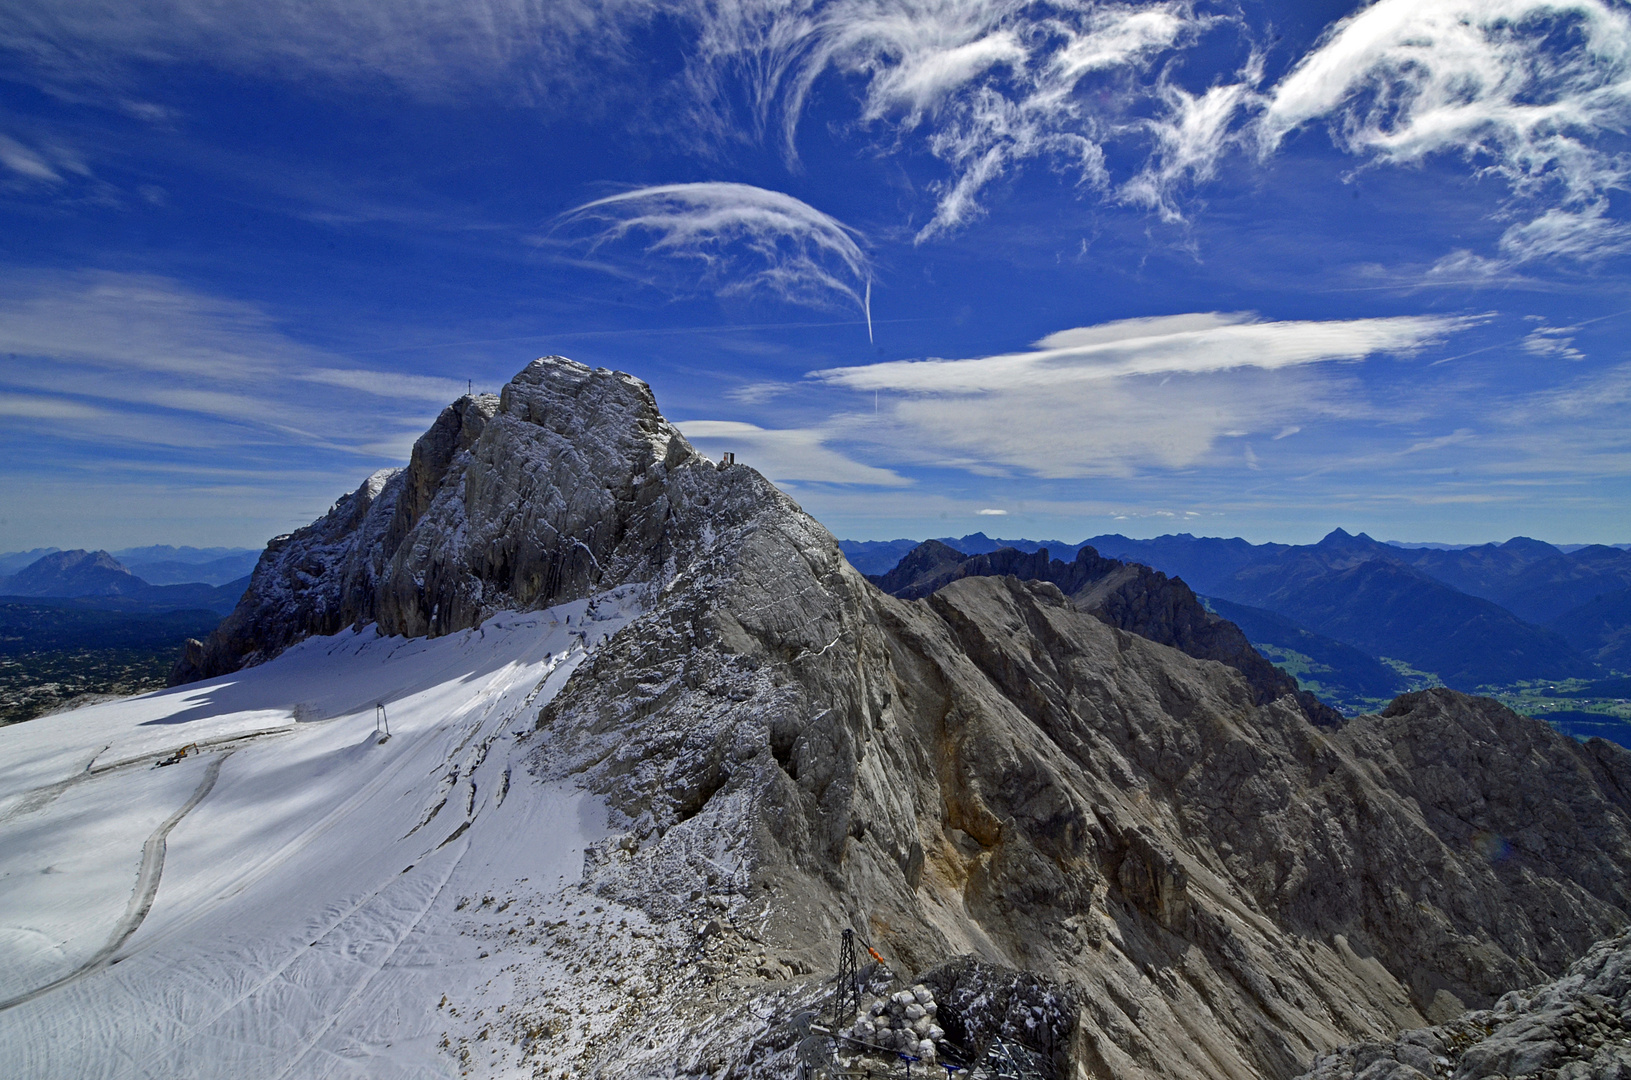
(297, 898)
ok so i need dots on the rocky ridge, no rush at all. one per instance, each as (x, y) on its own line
(1126, 595)
(1576, 1028)
(1194, 881)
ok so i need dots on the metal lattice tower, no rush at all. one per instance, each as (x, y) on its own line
(846, 998)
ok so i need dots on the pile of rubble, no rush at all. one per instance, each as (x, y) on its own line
(904, 1022)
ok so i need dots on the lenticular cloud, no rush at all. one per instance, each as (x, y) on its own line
(745, 239)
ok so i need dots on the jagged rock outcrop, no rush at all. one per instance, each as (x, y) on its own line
(1576, 1028)
(989, 775)
(553, 489)
(1129, 596)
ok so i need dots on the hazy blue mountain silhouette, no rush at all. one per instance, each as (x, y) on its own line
(1601, 629)
(96, 579)
(1432, 608)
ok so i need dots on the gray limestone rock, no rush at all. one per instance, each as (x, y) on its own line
(1227, 888)
(1197, 880)
(1129, 596)
(1574, 1028)
(558, 487)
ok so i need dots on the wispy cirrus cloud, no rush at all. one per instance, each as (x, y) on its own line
(1552, 341)
(1189, 139)
(47, 407)
(743, 238)
(32, 162)
(140, 359)
(983, 85)
(1112, 399)
(986, 84)
(1530, 91)
(513, 49)
(1533, 93)
(26, 162)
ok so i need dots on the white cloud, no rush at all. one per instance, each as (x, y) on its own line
(990, 511)
(744, 238)
(1180, 344)
(1115, 398)
(1524, 89)
(429, 48)
(1189, 140)
(757, 393)
(1585, 232)
(788, 453)
(1118, 427)
(25, 162)
(168, 365)
(990, 83)
(1603, 395)
(36, 407)
(1463, 267)
(1532, 91)
(1553, 341)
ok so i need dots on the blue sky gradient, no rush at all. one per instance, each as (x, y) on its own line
(1054, 269)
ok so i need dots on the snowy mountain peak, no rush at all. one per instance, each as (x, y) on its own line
(561, 485)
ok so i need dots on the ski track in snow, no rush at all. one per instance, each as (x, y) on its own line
(294, 898)
(141, 900)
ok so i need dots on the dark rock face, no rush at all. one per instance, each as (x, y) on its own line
(1534, 805)
(980, 1002)
(1128, 596)
(923, 570)
(318, 580)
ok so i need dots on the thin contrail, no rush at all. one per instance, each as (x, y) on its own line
(867, 304)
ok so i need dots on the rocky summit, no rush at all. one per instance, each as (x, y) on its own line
(1094, 852)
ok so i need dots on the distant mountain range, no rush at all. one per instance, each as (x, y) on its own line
(1364, 619)
(160, 564)
(96, 579)
(175, 571)
(13, 561)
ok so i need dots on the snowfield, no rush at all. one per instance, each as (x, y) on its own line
(294, 897)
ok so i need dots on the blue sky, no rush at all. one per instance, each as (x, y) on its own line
(1045, 269)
